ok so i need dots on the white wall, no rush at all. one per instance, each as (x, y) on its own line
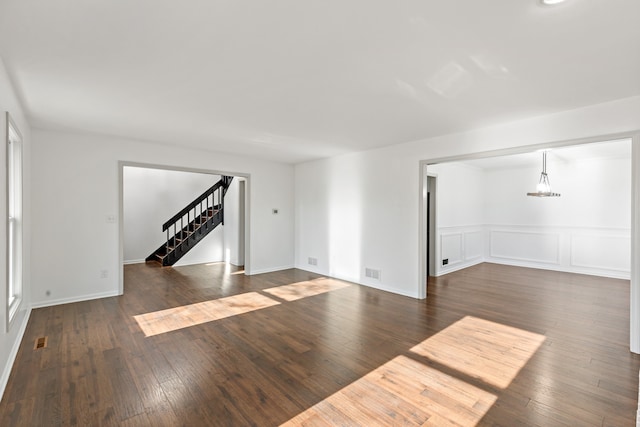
(351, 214)
(375, 194)
(586, 230)
(10, 337)
(76, 185)
(594, 193)
(150, 198)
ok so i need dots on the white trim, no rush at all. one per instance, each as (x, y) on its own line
(571, 227)
(471, 228)
(15, 252)
(13, 354)
(358, 282)
(423, 242)
(584, 271)
(634, 328)
(88, 297)
(638, 411)
(459, 266)
(268, 270)
(134, 261)
(391, 289)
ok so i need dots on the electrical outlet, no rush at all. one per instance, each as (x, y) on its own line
(110, 219)
(313, 261)
(274, 211)
(445, 261)
(104, 274)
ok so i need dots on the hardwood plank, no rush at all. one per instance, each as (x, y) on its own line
(294, 348)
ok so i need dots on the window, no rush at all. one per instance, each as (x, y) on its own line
(14, 220)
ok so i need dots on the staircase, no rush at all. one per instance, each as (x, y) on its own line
(186, 228)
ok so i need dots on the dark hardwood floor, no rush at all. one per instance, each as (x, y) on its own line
(200, 345)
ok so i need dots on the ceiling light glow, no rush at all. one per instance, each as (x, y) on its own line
(551, 2)
(543, 189)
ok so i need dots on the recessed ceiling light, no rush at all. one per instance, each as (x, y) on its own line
(551, 2)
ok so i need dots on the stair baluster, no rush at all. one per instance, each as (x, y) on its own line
(206, 217)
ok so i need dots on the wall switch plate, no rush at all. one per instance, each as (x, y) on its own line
(111, 219)
(274, 211)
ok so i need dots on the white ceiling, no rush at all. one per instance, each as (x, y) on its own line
(294, 80)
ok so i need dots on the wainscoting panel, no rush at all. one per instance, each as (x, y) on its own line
(530, 246)
(462, 246)
(602, 252)
(451, 247)
(473, 245)
(595, 251)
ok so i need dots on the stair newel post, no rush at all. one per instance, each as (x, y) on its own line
(182, 227)
(167, 240)
(221, 192)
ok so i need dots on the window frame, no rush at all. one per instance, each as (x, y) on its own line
(14, 210)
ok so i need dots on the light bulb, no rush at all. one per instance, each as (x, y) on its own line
(543, 187)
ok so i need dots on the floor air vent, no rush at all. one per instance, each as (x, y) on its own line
(371, 273)
(40, 343)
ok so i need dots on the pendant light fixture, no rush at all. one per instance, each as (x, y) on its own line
(543, 189)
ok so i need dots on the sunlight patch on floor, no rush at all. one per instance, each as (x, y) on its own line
(159, 322)
(296, 291)
(491, 352)
(401, 392)
(172, 319)
(405, 391)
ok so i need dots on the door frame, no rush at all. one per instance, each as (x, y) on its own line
(634, 136)
(247, 209)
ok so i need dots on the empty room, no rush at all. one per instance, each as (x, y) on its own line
(344, 213)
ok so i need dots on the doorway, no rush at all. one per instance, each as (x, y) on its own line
(193, 182)
(431, 225)
(635, 214)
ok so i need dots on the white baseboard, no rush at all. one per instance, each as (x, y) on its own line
(357, 281)
(575, 270)
(134, 261)
(69, 300)
(267, 270)
(390, 289)
(460, 266)
(14, 353)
